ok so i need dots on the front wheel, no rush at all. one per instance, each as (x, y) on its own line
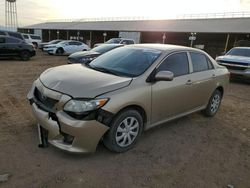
(213, 104)
(25, 55)
(124, 131)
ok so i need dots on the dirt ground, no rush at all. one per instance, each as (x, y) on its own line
(193, 151)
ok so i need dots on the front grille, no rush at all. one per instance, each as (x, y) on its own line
(234, 65)
(48, 102)
(235, 68)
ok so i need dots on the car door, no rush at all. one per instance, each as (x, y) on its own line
(72, 47)
(79, 46)
(202, 78)
(67, 46)
(3, 47)
(172, 98)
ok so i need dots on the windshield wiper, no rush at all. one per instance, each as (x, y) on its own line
(102, 69)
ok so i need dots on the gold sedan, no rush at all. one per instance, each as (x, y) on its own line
(122, 93)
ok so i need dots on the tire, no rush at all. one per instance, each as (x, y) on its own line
(59, 51)
(25, 55)
(117, 138)
(213, 104)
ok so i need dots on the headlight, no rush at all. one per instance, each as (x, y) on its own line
(86, 59)
(81, 106)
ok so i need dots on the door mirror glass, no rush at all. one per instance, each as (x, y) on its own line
(164, 76)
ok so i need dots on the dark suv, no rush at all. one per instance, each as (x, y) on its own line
(13, 47)
(12, 34)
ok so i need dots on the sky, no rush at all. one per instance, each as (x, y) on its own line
(36, 11)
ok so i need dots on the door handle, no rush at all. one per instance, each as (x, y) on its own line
(213, 76)
(189, 82)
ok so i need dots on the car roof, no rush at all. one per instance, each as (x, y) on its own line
(7, 36)
(112, 44)
(247, 48)
(165, 47)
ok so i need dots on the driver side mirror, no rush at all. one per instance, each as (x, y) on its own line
(164, 76)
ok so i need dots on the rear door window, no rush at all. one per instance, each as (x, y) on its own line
(35, 37)
(127, 42)
(200, 62)
(2, 40)
(2, 33)
(16, 35)
(176, 63)
(12, 40)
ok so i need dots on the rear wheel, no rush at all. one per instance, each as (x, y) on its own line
(213, 104)
(25, 55)
(59, 51)
(124, 131)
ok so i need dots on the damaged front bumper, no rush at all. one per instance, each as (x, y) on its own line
(64, 131)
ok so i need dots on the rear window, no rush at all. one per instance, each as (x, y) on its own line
(26, 36)
(12, 40)
(35, 37)
(127, 42)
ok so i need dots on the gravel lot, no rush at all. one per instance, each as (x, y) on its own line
(193, 151)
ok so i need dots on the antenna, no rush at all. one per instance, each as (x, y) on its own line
(11, 14)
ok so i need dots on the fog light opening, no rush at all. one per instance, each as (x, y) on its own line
(68, 138)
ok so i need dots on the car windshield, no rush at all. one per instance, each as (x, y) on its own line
(129, 61)
(104, 48)
(54, 41)
(113, 41)
(239, 52)
(62, 42)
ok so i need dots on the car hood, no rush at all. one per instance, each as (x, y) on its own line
(50, 45)
(232, 58)
(79, 55)
(44, 43)
(80, 81)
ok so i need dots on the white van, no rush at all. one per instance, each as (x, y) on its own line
(32, 38)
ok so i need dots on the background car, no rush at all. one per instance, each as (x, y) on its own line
(13, 47)
(32, 38)
(117, 41)
(12, 34)
(65, 47)
(122, 93)
(237, 60)
(88, 56)
(41, 45)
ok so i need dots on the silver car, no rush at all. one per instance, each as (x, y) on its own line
(237, 60)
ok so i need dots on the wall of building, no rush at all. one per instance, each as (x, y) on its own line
(212, 43)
